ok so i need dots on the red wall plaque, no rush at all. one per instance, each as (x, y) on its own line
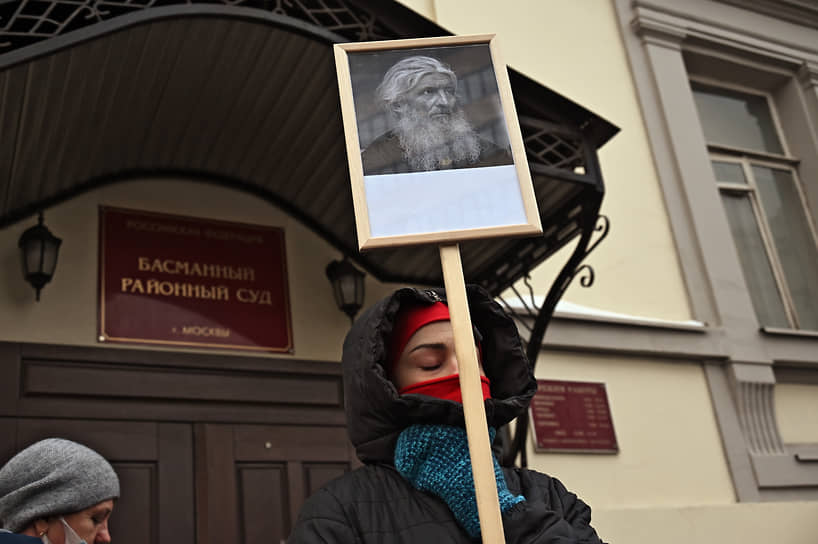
(166, 279)
(572, 417)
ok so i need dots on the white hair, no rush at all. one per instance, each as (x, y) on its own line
(404, 75)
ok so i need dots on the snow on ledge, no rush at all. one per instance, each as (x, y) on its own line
(571, 310)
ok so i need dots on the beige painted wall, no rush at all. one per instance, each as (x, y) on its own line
(796, 409)
(575, 49)
(747, 523)
(67, 311)
(670, 450)
(670, 446)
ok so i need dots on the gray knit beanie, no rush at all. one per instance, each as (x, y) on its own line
(53, 477)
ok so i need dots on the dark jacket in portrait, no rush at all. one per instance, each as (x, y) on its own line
(375, 503)
(385, 156)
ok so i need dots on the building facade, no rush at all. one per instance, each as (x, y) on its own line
(700, 321)
(708, 361)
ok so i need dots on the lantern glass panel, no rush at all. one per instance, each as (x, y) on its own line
(33, 256)
(50, 258)
(348, 289)
(336, 292)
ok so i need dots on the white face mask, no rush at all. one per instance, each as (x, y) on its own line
(71, 536)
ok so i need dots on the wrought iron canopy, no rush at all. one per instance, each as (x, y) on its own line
(243, 93)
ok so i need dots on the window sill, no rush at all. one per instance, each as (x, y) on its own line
(804, 453)
(789, 332)
(784, 470)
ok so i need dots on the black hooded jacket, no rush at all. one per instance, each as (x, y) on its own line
(375, 504)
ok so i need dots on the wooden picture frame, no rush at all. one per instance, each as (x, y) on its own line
(478, 184)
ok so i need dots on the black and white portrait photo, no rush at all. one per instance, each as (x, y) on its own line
(433, 140)
(423, 102)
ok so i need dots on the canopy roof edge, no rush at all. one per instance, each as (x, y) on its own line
(221, 99)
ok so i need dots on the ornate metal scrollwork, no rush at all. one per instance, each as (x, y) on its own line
(30, 21)
(588, 279)
(603, 225)
(551, 145)
(573, 268)
(530, 307)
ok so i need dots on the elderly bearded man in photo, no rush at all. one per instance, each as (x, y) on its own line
(431, 131)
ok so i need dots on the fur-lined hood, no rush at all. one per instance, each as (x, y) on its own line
(376, 413)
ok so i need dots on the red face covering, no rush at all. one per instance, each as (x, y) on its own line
(446, 388)
(408, 322)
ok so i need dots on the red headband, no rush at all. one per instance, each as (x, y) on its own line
(409, 320)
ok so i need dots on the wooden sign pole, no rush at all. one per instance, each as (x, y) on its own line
(485, 485)
(516, 215)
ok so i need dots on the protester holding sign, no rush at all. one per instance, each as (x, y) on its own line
(406, 422)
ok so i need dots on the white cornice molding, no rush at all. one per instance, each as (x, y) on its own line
(800, 12)
(661, 21)
(657, 32)
(808, 76)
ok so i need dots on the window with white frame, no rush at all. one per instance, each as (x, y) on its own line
(762, 197)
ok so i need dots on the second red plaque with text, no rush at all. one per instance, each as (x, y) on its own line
(572, 417)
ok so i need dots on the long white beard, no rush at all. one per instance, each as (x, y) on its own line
(429, 143)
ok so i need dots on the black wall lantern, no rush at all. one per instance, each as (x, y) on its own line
(39, 248)
(347, 286)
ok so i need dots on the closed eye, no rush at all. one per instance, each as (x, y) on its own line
(100, 517)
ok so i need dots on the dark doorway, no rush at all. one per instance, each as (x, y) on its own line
(198, 464)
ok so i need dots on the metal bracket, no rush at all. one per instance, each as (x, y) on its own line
(593, 223)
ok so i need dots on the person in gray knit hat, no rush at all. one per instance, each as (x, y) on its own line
(59, 491)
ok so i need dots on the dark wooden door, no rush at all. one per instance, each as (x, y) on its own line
(154, 462)
(209, 448)
(263, 474)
